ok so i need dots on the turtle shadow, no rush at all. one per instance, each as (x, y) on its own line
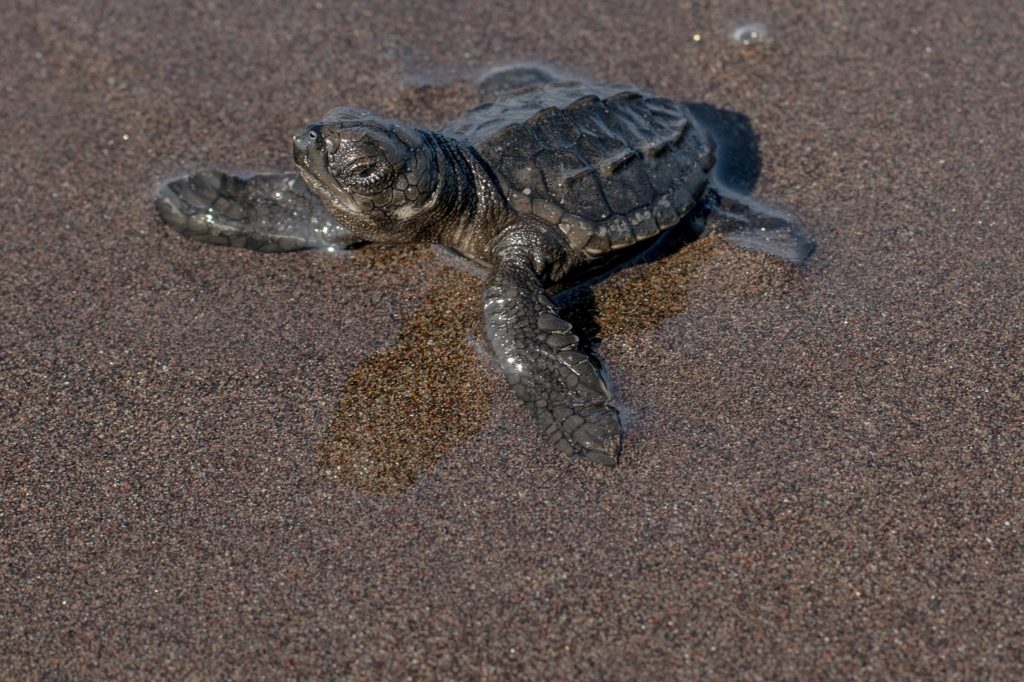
(738, 163)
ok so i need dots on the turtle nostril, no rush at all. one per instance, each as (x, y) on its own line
(314, 132)
(308, 142)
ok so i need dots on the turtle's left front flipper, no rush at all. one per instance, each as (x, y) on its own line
(538, 354)
(269, 212)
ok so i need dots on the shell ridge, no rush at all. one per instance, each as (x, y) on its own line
(608, 166)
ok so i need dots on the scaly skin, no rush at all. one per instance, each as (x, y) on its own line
(539, 353)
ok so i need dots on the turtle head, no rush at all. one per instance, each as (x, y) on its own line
(375, 175)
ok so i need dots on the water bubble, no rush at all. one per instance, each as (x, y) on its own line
(751, 33)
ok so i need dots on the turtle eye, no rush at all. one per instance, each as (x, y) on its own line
(365, 173)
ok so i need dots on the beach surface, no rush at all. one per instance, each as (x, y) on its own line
(217, 463)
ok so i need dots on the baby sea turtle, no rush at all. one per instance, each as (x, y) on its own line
(550, 183)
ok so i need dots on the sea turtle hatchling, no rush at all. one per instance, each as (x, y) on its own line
(543, 187)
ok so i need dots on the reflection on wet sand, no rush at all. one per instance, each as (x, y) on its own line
(405, 408)
(639, 300)
(409, 405)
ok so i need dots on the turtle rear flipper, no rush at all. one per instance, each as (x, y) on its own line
(539, 356)
(747, 224)
(269, 212)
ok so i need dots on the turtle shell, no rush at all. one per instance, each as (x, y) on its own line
(608, 166)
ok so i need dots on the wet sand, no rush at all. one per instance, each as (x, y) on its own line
(822, 473)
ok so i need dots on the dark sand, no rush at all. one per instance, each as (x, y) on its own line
(823, 473)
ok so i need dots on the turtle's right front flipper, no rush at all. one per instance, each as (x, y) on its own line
(272, 212)
(538, 353)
